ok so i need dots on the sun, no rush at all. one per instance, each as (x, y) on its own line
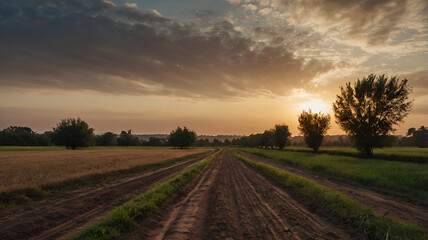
(315, 105)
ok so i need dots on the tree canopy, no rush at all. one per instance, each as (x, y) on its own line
(181, 137)
(73, 133)
(281, 133)
(313, 126)
(370, 108)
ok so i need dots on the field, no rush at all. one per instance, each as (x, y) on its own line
(405, 154)
(29, 169)
(406, 179)
(225, 194)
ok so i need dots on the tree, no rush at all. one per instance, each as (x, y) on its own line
(313, 126)
(18, 136)
(73, 133)
(281, 135)
(127, 139)
(418, 137)
(368, 110)
(106, 139)
(181, 137)
(268, 139)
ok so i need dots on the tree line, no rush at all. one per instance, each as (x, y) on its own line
(367, 111)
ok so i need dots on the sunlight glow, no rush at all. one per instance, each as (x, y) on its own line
(315, 105)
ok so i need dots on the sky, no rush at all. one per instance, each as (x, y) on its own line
(215, 66)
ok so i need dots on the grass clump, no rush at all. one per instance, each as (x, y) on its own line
(124, 218)
(408, 180)
(349, 210)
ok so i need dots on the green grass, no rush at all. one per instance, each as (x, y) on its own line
(124, 218)
(32, 148)
(408, 180)
(22, 196)
(404, 154)
(349, 210)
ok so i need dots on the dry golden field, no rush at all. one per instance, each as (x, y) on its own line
(23, 169)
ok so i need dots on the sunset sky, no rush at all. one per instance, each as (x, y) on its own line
(218, 67)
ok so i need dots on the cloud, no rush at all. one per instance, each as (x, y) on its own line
(99, 46)
(131, 5)
(374, 21)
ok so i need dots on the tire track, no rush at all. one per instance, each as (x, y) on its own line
(380, 203)
(62, 216)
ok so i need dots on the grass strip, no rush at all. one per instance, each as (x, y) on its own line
(406, 180)
(124, 218)
(349, 210)
(22, 196)
(415, 155)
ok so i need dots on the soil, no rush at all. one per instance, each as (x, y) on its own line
(61, 216)
(230, 200)
(384, 205)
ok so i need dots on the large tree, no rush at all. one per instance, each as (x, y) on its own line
(313, 126)
(281, 135)
(73, 133)
(181, 137)
(370, 108)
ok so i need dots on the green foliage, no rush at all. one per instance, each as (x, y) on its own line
(408, 180)
(349, 210)
(73, 133)
(124, 218)
(369, 110)
(127, 139)
(106, 139)
(281, 135)
(18, 136)
(418, 137)
(181, 137)
(313, 126)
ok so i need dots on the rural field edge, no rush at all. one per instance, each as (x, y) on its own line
(22, 196)
(363, 219)
(124, 218)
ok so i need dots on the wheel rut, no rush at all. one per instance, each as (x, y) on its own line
(230, 200)
(60, 217)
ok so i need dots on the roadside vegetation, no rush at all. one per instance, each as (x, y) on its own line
(33, 177)
(363, 219)
(408, 180)
(125, 218)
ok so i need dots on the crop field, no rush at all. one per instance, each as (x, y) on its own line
(225, 194)
(406, 179)
(29, 169)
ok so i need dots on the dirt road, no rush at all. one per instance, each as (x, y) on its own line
(229, 200)
(380, 203)
(61, 216)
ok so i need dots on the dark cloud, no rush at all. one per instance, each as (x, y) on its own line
(375, 21)
(97, 45)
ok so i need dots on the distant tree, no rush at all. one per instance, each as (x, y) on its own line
(418, 137)
(73, 133)
(227, 142)
(127, 139)
(106, 139)
(46, 138)
(181, 137)
(313, 126)
(18, 136)
(154, 141)
(281, 135)
(368, 110)
(268, 139)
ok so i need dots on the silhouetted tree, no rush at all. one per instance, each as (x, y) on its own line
(18, 136)
(368, 110)
(313, 126)
(418, 137)
(73, 133)
(106, 139)
(181, 137)
(268, 139)
(127, 139)
(281, 135)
